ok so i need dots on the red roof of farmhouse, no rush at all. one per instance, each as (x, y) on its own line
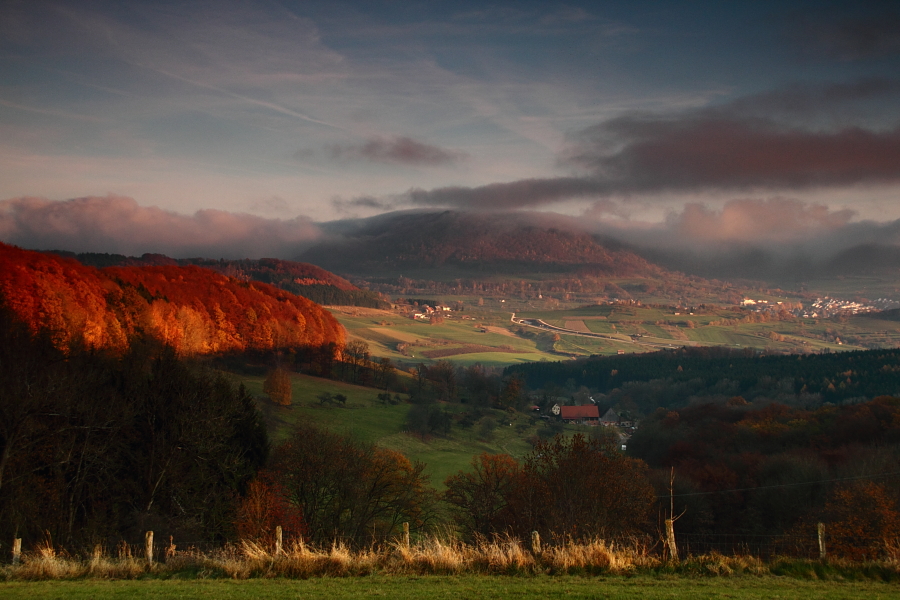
(588, 411)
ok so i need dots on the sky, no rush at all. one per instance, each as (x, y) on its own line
(234, 128)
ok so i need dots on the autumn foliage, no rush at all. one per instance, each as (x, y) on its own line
(862, 518)
(97, 447)
(567, 488)
(278, 386)
(193, 310)
(347, 491)
(265, 507)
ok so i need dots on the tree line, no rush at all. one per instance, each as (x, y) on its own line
(750, 470)
(98, 446)
(303, 279)
(193, 310)
(675, 378)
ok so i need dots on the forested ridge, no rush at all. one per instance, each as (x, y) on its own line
(673, 378)
(455, 238)
(191, 309)
(303, 279)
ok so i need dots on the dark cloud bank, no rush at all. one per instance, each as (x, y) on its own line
(796, 138)
(399, 150)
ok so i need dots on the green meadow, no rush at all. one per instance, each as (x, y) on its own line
(466, 338)
(368, 420)
(463, 587)
(486, 335)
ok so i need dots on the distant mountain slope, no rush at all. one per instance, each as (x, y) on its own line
(303, 279)
(868, 259)
(449, 238)
(195, 310)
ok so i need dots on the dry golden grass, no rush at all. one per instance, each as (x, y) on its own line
(428, 556)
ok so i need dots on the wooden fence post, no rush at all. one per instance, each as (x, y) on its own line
(535, 543)
(148, 547)
(406, 534)
(670, 522)
(670, 539)
(16, 550)
(278, 539)
(821, 541)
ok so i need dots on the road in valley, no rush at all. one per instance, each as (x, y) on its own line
(641, 341)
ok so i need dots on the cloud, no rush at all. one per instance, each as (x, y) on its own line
(710, 152)
(119, 225)
(794, 138)
(525, 193)
(753, 238)
(399, 150)
(779, 220)
(363, 202)
(849, 39)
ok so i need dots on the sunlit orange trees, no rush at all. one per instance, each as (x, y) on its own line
(278, 386)
(94, 445)
(190, 309)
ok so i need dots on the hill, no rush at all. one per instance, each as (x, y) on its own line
(303, 279)
(511, 243)
(194, 310)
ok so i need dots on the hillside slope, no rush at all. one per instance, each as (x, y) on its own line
(303, 279)
(449, 238)
(194, 310)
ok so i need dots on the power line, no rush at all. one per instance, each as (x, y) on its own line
(782, 485)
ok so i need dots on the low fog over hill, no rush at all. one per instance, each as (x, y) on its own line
(510, 241)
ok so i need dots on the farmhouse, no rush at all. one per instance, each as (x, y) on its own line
(610, 417)
(586, 415)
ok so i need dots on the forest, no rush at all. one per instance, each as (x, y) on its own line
(675, 378)
(303, 279)
(99, 446)
(111, 424)
(193, 310)
(758, 474)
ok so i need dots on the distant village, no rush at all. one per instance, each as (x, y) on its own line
(822, 308)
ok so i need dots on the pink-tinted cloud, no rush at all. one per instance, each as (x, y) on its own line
(398, 150)
(118, 224)
(777, 220)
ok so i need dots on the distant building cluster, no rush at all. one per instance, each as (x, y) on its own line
(426, 312)
(821, 308)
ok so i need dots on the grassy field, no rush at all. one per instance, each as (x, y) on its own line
(486, 335)
(461, 337)
(457, 588)
(659, 326)
(389, 334)
(367, 420)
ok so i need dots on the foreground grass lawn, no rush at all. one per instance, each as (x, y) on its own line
(456, 588)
